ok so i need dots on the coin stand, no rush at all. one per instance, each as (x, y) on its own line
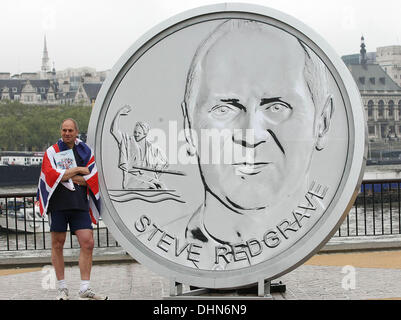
(261, 291)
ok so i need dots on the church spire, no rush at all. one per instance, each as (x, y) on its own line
(45, 58)
(363, 58)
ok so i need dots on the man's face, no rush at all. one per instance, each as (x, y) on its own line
(139, 134)
(68, 133)
(254, 80)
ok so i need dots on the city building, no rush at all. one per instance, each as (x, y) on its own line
(72, 86)
(389, 58)
(28, 91)
(381, 97)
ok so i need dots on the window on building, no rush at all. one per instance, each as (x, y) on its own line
(383, 131)
(371, 130)
(370, 108)
(391, 109)
(380, 108)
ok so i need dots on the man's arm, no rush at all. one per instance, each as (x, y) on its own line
(69, 173)
(79, 180)
(114, 129)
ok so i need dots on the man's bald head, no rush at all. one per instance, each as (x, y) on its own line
(252, 77)
(220, 43)
(75, 123)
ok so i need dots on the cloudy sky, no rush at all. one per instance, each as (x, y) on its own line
(96, 33)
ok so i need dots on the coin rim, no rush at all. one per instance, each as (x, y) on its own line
(324, 228)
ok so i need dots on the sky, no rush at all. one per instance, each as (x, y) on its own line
(96, 33)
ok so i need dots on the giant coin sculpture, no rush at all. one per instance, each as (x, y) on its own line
(230, 144)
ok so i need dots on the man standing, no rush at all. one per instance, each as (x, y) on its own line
(71, 197)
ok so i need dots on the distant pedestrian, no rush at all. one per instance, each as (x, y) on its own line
(70, 196)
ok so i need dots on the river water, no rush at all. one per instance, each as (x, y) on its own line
(370, 221)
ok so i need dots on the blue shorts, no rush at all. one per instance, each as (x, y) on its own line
(77, 219)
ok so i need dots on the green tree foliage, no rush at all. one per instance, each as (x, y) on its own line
(35, 127)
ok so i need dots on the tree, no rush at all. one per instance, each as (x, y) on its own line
(35, 127)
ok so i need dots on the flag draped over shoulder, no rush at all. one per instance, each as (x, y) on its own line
(50, 177)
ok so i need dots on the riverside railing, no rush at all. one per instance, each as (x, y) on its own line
(23, 228)
(376, 212)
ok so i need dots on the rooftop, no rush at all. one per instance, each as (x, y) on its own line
(371, 77)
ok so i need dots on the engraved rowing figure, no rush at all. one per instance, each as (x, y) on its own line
(141, 161)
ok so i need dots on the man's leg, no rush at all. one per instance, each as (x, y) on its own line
(81, 225)
(58, 230)
(58, 239)
(85, 239)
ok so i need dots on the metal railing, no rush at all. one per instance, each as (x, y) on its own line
(376, 211)
(22, 227)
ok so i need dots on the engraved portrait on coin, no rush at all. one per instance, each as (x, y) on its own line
(231, 146)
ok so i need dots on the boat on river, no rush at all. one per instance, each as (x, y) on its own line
(23, 220)
(20, 168)
(18, 175)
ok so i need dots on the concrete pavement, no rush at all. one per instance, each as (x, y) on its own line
(360, 276)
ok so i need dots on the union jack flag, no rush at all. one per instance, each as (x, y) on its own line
(50, 177)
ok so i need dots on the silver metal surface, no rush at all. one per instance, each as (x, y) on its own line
(230, 145)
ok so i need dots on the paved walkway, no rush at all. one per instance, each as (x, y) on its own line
(370, 275)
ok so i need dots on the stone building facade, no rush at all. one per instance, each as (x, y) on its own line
(381, 97)
(389, 58)
(382, 101)
(49, 91)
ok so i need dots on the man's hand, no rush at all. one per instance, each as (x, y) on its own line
(79, 180)
(69, 173)
(83, 171)
(125, 110)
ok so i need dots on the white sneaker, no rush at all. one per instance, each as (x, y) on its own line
(62, 294)
(88, 294)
